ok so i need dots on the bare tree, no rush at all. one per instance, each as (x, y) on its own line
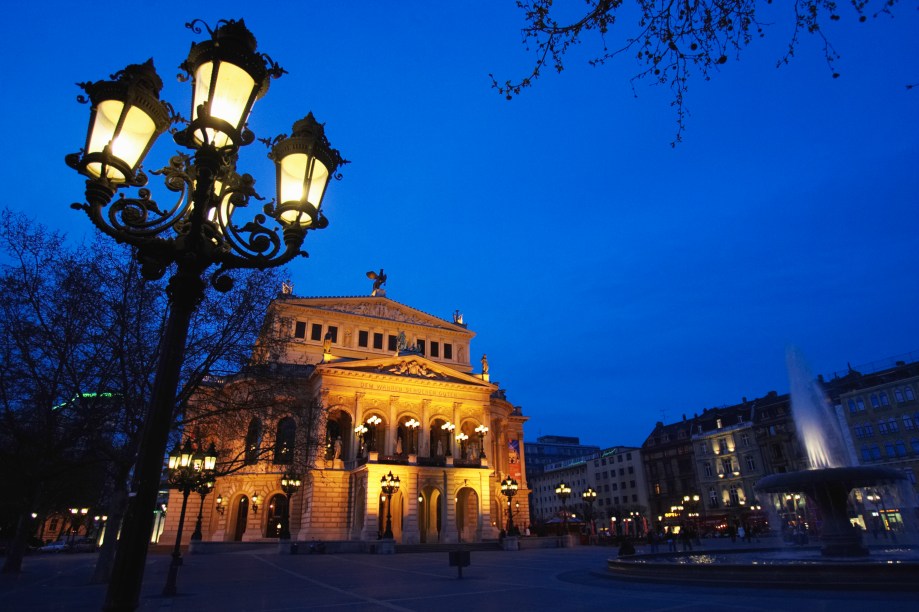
(79, 335)
(671, 39)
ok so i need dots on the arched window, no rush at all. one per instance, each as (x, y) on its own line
(253, 441)
(284, 441)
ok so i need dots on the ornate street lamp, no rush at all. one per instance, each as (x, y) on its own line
(590, 496)
(188, 470)
(509, 489)
(413, 425)
(361, 431)
(290, 484)
(76, 522)
(372, 423)
(461, 439)
(692, 502)
(203, 227)
(203, 490)
(563, 492)
(481, 430)
(449, 428)
(389, 484)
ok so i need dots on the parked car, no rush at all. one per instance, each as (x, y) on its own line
(55, 547)
(84, 545)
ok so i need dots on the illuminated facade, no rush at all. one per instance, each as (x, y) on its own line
(398, 394)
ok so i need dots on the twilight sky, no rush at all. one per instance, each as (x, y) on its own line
(612, 280)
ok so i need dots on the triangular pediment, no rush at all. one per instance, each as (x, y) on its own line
(381, 308)
(406, 366)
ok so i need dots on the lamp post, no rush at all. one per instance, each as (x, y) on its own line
(389, 484)
(290, 484)
(372, 422)
(563, 492)
(794, 498)
(202, 228)
(187, 470)
(876, 499)
(361, 431)
(449, 428)
(77, 514)
(590, 496)
(461, 439)
(412, 425)
(482, 430)
(509, 489)
(203, 489)
(692, 502)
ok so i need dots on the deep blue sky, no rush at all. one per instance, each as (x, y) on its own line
(612, 280)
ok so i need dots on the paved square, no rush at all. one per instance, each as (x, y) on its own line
(548, 579)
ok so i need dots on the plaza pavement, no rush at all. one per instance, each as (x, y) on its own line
(542, 579)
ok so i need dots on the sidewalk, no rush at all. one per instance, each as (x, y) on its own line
(544, 579)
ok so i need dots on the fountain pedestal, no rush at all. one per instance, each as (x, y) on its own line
(829, 489)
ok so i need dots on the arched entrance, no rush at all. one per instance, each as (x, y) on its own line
(467, 515)
(440, 439)
(277, 508)
(430, 515)
(338, 435)
(241, 513)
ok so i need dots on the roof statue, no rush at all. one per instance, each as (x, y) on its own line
(287, 287)
(458, 318)
(378, 281)
(484, 364)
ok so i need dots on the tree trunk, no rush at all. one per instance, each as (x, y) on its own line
(13, 563)
(106, 559)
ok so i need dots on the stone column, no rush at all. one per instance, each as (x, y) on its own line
(448, 533)
(358, 419)
(411, 489)
(457, 451)
(389, 444)
(424, 436)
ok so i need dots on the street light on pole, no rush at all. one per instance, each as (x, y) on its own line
(203, 490)
(202, 228)
(509, 489)
(590, 496)
(188, 469)
(290, 484)
(482, 430)
(389, 484)
(563, 492)
(413, 425)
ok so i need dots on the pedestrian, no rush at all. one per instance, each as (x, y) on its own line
(686, 539)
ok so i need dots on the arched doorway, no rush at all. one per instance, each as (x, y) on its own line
(277, 509)
(242, 516)
(440, 439)
(467, 515)
(430, 515)
(338, 435)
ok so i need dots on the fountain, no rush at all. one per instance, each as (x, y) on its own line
(829, 482)
(843, 560)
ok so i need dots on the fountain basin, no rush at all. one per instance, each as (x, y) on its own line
(829, 488)
(890, 568)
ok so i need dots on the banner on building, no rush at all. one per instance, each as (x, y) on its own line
(513, 459)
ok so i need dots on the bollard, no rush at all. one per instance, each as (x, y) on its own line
(459, 559)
